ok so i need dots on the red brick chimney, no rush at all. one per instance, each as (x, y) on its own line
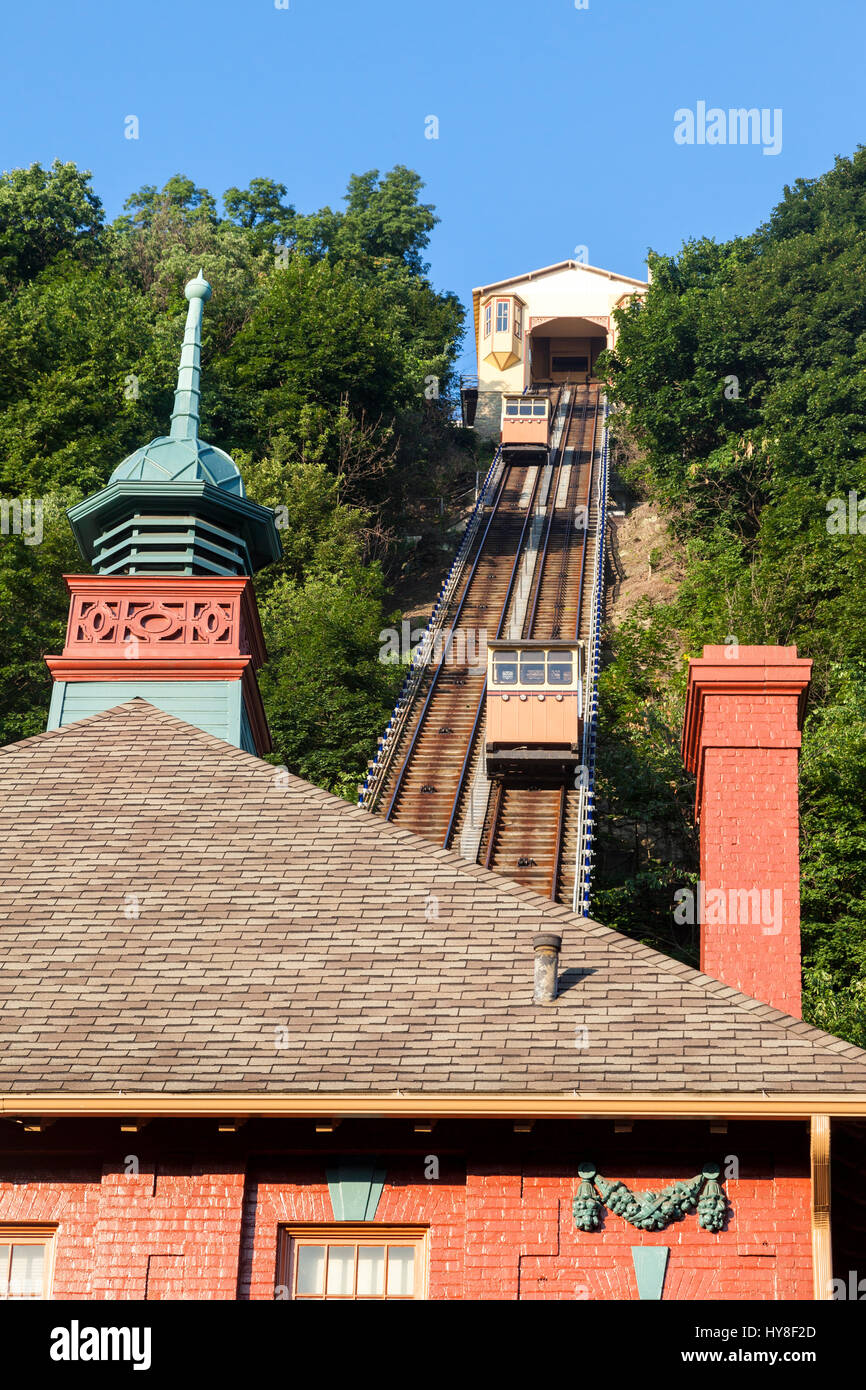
(744, 712)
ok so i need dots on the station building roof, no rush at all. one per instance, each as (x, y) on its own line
(553, 269)
(180, 919)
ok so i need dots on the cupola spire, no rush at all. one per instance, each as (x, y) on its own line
(185, 416)
(170, 613)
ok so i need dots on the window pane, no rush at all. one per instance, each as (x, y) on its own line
(371, 1270)
(570, 364)
(559, 668)
(4, 1269)
(401, 1270)
(505, 668)
(539, 408)
(341, 1270)
(311, 1268)
(526, 408)
(532, 672)
(512, 408)
(28, 1263)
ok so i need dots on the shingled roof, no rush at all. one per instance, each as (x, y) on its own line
(179, 917)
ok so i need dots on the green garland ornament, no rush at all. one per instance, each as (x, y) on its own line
(587, 1203)
(650, 1211)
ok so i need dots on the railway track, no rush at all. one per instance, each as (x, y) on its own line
(542, 521)
(530, 833)
(429, 768)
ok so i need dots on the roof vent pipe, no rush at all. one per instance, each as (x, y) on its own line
(547, 947)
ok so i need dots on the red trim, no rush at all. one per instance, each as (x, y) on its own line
(75, 669)
(156, 668)
(237, 595)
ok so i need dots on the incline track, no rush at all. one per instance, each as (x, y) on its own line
(527, 830)
(530, 834)
(428, 774)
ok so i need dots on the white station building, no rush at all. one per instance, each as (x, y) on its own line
(537, 330)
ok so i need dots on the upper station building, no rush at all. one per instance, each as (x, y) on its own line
(541, 329)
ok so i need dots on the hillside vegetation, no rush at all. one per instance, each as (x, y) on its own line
(741, 396)
(324, 347)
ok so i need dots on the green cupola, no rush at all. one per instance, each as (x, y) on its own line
(177, 505)
(170, 614)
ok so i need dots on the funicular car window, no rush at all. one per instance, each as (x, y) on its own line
(532, 668)
(526, 407)
(539, 408)
(559, 668)
(512, 407)
(505, 668)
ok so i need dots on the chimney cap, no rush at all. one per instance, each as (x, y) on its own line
(544, 939)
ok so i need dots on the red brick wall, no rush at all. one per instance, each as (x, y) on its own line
(499, 1229)
(742, 738)
(122, 1235)
(750, 841)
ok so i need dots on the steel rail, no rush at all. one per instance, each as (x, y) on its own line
(589, 481)
(539, 578)
(586, 801)
(494, 823)
(438, 671)
(529, 628)
(518, 555)
(557, 853)
(379, 768)
(574, 483)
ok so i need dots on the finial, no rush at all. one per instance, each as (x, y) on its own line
(198, 288)
(185, 416)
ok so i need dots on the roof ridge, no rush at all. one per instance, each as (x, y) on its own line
(136, 705)
(559, 265)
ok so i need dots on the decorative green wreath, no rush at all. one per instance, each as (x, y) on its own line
(651, 1211)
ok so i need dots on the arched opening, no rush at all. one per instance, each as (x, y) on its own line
(564, 349)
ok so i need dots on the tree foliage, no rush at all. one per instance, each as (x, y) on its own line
(741, 381)
(321, 333)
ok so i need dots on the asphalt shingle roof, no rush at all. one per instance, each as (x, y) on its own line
(178, 916)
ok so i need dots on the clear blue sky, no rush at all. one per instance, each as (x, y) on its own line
(555, 124)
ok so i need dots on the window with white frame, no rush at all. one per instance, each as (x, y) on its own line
(502, 308)
(518, 320)
(357, 1262)
(26, 1261)
(488, 319)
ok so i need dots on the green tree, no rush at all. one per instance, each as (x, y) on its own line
(260, 208)
(44, 213)
(741, 395)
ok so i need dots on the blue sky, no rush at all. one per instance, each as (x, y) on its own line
(556, 124)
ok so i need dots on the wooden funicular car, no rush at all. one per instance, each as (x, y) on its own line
(534, 707)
